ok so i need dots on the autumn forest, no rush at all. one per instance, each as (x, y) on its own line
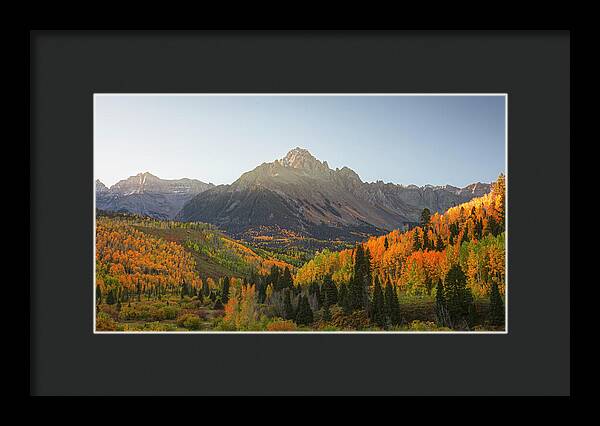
(445, 273)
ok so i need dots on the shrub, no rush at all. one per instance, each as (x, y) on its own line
(189, 321)
(219, 324)
(168, 312)
(357, 320)
(104, 322)
(282, 325)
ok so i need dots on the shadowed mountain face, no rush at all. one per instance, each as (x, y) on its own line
(148, 195)
(302, 195)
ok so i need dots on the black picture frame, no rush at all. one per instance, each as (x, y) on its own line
(67, 67)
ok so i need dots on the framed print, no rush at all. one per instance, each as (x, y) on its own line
(300, 213)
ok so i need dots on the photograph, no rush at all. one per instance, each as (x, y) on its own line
(300, 213)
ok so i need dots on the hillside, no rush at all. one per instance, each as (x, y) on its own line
(470, 234)
(213, 254)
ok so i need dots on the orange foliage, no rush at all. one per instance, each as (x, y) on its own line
(138, 261)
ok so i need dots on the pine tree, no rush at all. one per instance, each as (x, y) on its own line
(425, 217)
(314, 289)
(459, 299)
(98, 295)
(496, 314)
(308, 311)
(416, 240)
(288, 310)
(261, 290)
(355, 290)
(330, 289)
(286, 279)
(225, 291)
(304, 314)
(395, 317)
(441, 310)
(344, 298)
(274, 277)
(387, 300)
(367, 279)
(377, 311)
(110, 298)
(385, 243)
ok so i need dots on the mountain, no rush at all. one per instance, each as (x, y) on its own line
(301, 195)
(148, 195)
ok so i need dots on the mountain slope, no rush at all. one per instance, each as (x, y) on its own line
(148, 195)
(471, 235)
(303, 195)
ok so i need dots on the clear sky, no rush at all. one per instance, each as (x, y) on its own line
(420, 140)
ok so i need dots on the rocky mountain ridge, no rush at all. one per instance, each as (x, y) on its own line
(148, 195)
(299, 193)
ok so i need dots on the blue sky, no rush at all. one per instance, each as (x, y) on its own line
(418, 140)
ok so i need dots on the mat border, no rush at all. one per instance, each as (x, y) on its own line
(66, 67)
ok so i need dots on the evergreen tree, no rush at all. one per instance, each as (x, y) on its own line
(274, 277)
(288, 310)
(385, 243)
(377, 311)
(261, 290)
(304, 314)
(286, 279)
(441, 310)
(496, 314)
(344, 298)
(110, 298)
(425, 218)
(459, 299)
(453, 227)
(367, 279)
(395, 317)
(313, 289)
(225, 291)
(355, 286)
(416, 240)
(98, 295)
(330, 289)
(358, 289)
